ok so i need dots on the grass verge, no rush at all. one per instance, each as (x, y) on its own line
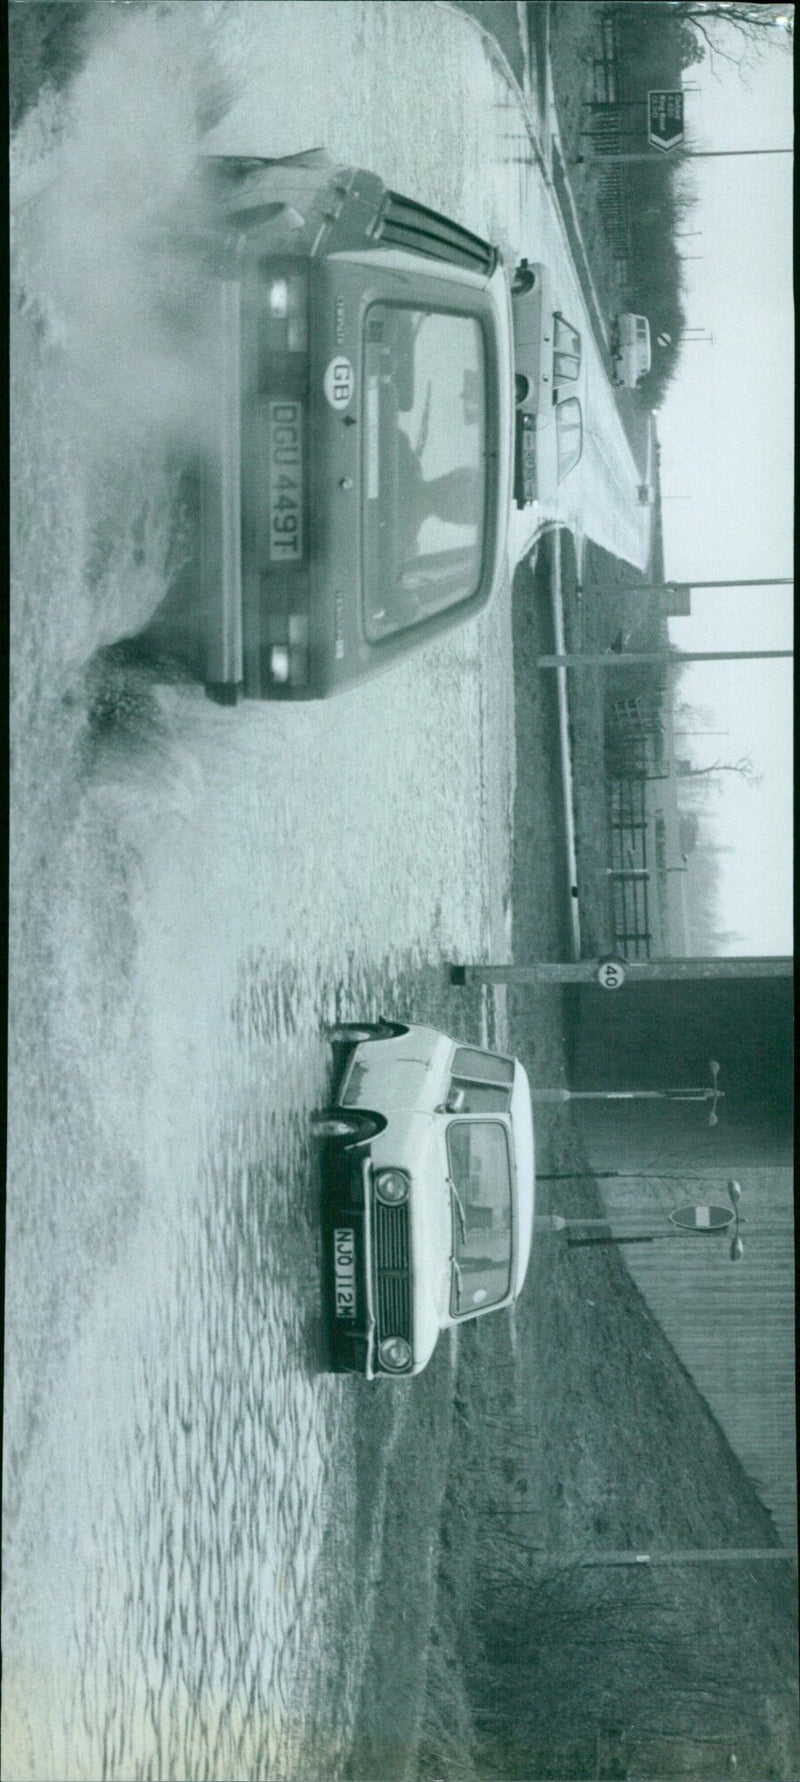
(577, 1432)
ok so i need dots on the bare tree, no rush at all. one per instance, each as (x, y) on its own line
(744, 766)
(755, 27)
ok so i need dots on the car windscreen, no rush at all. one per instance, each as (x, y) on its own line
(569, 435)
(424, 467)
(480, 1176)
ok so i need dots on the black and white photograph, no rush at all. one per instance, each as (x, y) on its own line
(399, 1358)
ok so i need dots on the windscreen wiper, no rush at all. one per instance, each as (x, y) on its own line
(456, 1267)
(459, 1207)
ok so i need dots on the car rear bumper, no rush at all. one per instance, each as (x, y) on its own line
(221, 498)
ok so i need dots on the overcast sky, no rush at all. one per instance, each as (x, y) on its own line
(727, 430)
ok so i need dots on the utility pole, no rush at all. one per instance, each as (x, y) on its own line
(688, 1556)
(669, 658)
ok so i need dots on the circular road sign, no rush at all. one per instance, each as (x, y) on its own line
(702, 1218)
(611, 973)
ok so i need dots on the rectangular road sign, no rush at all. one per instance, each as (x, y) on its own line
(665, 118)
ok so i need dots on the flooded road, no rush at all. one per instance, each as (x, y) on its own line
(195, 893)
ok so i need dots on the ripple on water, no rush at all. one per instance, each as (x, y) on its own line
(196, 895)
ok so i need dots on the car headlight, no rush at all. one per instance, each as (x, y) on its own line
(286, 660)
(391, 1186)
(279, 662)
(278, 298)
(394, 1353)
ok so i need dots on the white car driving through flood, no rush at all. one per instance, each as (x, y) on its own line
(429, 1184)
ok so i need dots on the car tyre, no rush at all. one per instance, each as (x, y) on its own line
(346, 1126)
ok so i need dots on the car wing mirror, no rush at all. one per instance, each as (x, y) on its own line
(454, 1104)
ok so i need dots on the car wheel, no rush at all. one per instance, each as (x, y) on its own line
(346, 1126)
(354, 1033)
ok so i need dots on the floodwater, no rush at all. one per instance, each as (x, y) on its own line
(195, 892)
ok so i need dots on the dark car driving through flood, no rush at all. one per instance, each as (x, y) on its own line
(356, 493)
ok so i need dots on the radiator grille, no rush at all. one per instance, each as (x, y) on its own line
(392, 1270)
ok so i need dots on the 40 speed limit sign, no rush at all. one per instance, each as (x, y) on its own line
(611, 973)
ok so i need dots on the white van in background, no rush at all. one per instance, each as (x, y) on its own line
(630, 350)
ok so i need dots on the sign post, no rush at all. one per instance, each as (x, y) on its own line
(585, 971)
(665, 118)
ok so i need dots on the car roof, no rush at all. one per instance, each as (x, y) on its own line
(525, 1171)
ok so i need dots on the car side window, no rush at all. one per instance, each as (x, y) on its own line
(482, 1067)
(566, 365)
(480, 1098)
(482, 1080)
(566, 351)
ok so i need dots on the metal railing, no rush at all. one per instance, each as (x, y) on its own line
(629, 871)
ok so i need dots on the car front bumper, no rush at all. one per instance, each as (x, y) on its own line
(347, 1206)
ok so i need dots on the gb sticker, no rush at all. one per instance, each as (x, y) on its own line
(339, 383)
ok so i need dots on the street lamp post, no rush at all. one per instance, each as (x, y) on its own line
(712, 1094)
(737, 1247)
